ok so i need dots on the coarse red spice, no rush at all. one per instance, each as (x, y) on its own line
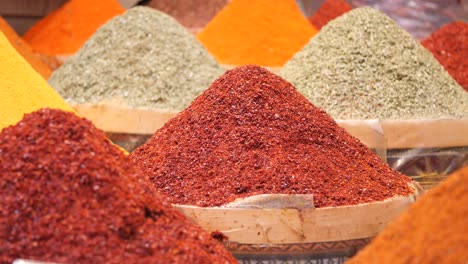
(70, 196)
(433, 230)
(449, 45)
(329, 10)
(252, 133)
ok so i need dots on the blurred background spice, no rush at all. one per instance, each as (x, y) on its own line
(252, 133)
(70, 196)
(143, 58)
(193, 14)
(22, 89)
(64, 31)
(449, 45)
(329, 10)
(257, 32)
(362, 65)
(432, 230)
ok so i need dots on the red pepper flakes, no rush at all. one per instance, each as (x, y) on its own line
(70, 196)
(329, 10)
(449, 45)
(252, 133)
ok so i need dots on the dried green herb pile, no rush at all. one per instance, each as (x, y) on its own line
(143, 58)
(363, 65)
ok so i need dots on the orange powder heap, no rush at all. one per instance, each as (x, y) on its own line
(329, 10)
(258, 32)
(65, 30)
(433, 230)
(24, 49)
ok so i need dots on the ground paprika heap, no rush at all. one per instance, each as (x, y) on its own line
(252, 133)
(432, 230)
(449, 46)
(70, 196)
(257, 32)
(65, 30)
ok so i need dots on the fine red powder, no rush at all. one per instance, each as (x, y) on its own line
(329, 10)
(70, 196)
(252, 133)
(450, 47)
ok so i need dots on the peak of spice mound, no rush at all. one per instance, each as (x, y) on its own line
(190, 13)
(22, 89)
(65, 30)
(329, 10)
(143, 58)
(257, 32)
(70, 196)
(449, 46)
(433, 230)
(24, 49)
(362, 65)
(252, 133)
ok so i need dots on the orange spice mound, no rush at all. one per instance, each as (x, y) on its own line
(65, 30)
(329, 10)
(433, 230)
(257, 32)
(24, 49)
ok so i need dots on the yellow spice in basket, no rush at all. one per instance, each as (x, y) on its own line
(22, 89)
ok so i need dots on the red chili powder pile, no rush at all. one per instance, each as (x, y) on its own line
(65, 30)
(432, 230)
(190, 13)
(252, 133)
(24, 49)
(449, 45)
(329, 10)
(70, 196)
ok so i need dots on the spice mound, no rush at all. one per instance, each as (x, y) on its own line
(70, 196)
(449, 46)
(143, 58)
(22, 89)
(362, 65)
(433, 230)
(24, 49)
(190, 13)
(257, 32)
(252, 133)
(329, 10)
(65, 30)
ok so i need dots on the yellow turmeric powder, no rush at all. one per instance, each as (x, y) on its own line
(22, 89)
(24, 49)
(65, 30)
(262, 32)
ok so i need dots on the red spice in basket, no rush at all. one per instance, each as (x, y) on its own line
(252, 133)
(432, 230)
(329, 10)
(69, 196)
(450, 47)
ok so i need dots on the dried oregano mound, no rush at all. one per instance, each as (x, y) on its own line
(363, 65)
(143, 58)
